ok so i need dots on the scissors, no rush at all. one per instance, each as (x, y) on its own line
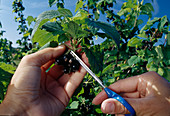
(110, 93)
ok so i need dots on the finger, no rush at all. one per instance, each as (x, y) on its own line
(43, 56)
(74, 81)
(76, 78)
(112, 106)
(131, 95)
(99, 98)
(56, 71)
(55, 89)
(125, 85)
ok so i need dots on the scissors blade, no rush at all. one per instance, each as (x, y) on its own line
(87, 68)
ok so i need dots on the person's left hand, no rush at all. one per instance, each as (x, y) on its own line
(33, 91)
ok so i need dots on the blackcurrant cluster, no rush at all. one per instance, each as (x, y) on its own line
(154, 32)
(148, 44)
(69, 63)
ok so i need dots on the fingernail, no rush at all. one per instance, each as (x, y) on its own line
(61, 46)
(108, 107)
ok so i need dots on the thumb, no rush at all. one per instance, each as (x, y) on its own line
(43, 56)
(112, 106)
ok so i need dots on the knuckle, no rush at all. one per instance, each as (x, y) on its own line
(26, 58)
(121, 109)
(152, 72)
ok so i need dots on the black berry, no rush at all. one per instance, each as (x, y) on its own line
(69, 63)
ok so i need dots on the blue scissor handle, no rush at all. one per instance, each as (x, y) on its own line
(112, 94)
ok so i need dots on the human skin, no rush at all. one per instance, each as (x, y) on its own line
(148, 94)
(35, 92)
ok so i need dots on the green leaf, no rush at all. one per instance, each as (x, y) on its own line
(107, 28)
(30, 19)
(62, 38)
(95, 56)
(6, 72)
(167, 76)
(124, 11)
(72, 28)
(45, 37)
(143, 35)
(149, 6)
(153, 67)
(49, 44)
(74, 105)
(150, 23)
(124, 66)
(79, 5)
(166, 53)
(80, 16)
(159, 52)
(133, 42)
(147, 9)
(7, 67)
(47, 15)
(168, 38)
(81, 92)
(51, 2)
(163, 21)
(133, 60)
(97, 15)
(54, 27)
(161, 71)
(108, 68)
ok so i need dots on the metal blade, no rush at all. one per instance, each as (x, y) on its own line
(87, 68)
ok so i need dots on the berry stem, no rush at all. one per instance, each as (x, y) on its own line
(153, 35)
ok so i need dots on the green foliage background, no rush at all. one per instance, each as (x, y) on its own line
(131, 46)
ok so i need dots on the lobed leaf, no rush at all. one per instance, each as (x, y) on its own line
(54, 27)
(49, 44)
(45, 37)
(47, 15)
(107, 28)
(95, 56)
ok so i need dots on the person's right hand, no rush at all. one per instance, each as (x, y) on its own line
(148, 94)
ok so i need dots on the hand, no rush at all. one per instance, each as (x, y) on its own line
(148, 94)
(33, 91)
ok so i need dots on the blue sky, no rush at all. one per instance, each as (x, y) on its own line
(35, 7)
